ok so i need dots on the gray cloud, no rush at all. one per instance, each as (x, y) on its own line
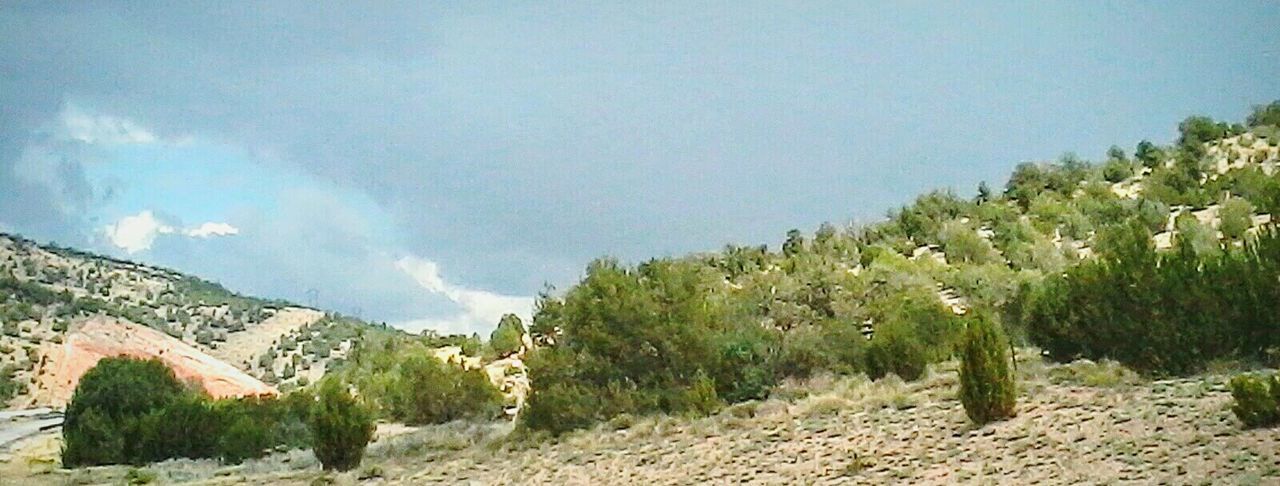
(512, 144)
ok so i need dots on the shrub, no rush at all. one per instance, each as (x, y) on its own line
(986, 381)
(429, 391)
(507, 338)
(103, 423)
(340, 427)
(895, 348)
(1257, 400)
(9, 387)
(131, 411)
(1235, 217)
(1159, 313)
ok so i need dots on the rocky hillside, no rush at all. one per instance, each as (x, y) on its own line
(46, 290)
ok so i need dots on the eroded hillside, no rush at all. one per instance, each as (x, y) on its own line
(45, 291)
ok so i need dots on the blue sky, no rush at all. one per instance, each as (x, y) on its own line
(434, 165)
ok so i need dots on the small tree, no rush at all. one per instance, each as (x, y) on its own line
(508, 337)
(340, 427)
(1235, 217)
(986, 382)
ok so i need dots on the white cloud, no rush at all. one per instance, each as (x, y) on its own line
(138, 232)
(103, 129)
(212, 229)
(480, 309)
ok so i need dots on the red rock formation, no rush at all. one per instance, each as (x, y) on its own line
(101, 337)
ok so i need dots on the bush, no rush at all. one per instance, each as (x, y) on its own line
(340, 427)
(1257, 400)
(508, 337)
(9, 387)
(1235, 217)
(895, 348)
(986, 381)
(429, 391)
(104, 420)
(131, 411)
(1159, 313)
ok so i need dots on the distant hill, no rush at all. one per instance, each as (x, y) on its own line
(45, 290)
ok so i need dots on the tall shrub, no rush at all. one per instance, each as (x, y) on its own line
(340, 427)
(104, 421)
(987, 387)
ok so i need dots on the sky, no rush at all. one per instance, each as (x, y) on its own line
(436, 165)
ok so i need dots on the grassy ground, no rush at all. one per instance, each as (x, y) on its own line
(1082, 423)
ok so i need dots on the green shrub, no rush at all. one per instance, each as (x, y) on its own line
(895, 348)
(9, 387)
(1163, 313)
(340, 427)
(104, 420)
(1257, 400)
(986, 381)
(131, 411)
(1235, 217)
(429, 391)
(506, 339)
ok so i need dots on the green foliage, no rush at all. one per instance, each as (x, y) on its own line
(961, 243)
(340, 427)
(896, 348)
(1159, 313)
(632, 340)
(1262, 115)
(428, 391)
(987, 388)
(398, 378)
(9, 387)
(131, 411)
(1235, 216)
(507, 338)
(1256, 400)
(107, 419)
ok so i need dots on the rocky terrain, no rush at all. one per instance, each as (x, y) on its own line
(47, 291)
(1081, 423)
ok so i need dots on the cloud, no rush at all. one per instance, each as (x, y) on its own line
(138, 232)
(102, 129)
(212, 229)
(480, 309)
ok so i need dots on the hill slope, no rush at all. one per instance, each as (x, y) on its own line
(46, 290)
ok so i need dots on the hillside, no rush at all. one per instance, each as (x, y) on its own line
(47, 291)
(1077, 423)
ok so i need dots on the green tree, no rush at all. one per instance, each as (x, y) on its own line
(1148, 154)
(1235, 217)
(1268, 114)
(340, 427)
(104, 420)
(987, 388)
(508, 337)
